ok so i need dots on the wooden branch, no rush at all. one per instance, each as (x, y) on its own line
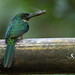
(41, 55)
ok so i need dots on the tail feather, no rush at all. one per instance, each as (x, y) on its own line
(9, 54)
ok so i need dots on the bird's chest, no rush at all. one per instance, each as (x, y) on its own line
(20, 25)
(23, 26)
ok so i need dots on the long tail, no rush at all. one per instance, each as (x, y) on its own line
(9, 54)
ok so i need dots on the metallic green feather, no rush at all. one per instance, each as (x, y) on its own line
(9, 54)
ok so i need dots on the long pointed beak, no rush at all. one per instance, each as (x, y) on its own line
(36, 13)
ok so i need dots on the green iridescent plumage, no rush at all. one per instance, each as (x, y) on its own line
(16, 28)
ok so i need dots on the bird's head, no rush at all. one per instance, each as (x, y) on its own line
(27, 16)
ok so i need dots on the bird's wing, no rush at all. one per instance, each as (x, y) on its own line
(8, 30)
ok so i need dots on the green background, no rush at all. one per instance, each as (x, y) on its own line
(59, 20)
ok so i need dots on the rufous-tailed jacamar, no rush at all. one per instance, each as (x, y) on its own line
(16, 28)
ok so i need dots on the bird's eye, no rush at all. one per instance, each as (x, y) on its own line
(26, 15)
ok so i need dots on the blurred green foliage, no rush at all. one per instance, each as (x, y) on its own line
(59, 20)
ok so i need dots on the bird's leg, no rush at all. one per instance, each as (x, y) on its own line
(22, 36)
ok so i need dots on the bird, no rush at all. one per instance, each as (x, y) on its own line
(17, 27)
